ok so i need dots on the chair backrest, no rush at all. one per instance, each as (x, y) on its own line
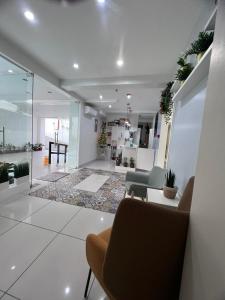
(157, 178)
(186, 199)
(145, 254)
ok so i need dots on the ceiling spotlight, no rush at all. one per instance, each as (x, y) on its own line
(120, 63)
(110, 106)
(101, 97)
(10, 71)
(129, 96)
(76, 66)
(29, 15)
(101, 1)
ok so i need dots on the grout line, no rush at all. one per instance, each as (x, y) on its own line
(42, 251)
(7, 294)
(71, 236)
(80, 208)
(32, 262)
(10, 227)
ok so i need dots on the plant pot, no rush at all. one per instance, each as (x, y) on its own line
(169, 193)
(132, 165)
(125, 164)
(22, 180)
(182, 82)
(199, 56)
(4, 186)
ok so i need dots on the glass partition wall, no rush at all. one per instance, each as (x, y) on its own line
(16, 97)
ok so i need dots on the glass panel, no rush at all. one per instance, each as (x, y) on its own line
(73, 149)
(15, 119)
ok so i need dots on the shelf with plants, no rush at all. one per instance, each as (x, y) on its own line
(199, 72)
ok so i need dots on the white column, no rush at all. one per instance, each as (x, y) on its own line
(204, 268)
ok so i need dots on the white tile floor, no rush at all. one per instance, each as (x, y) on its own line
(43, 249)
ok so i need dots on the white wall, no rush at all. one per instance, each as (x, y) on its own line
(88, 137)
(204, 268)
(185, 135)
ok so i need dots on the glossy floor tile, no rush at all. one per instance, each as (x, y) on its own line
(88, 221)
(19, 208)
(19, 247)
(54, 216)
(6, 224)
(96, 292)
(59, 273)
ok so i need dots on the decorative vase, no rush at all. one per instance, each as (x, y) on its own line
(169, 192)
(4, 186)
(199, 56)
(132, 164)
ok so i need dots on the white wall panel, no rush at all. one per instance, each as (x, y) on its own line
(186, 130)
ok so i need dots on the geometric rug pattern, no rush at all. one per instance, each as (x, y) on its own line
(106, 199)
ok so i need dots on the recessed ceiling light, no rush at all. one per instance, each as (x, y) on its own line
(120, 62)
(110, 106)
(67, 290)
(29, 15)
(76, 66)
(101, 1)
(101, 97)
(129, 96)
(10, 71)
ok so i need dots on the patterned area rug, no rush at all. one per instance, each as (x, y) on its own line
(106, 199)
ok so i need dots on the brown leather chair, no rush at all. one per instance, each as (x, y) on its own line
(141, 257)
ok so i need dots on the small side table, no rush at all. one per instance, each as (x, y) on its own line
(157, 197)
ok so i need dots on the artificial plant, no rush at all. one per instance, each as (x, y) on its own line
(102, 140)
(185, 69)
(200, 45)
(21, 170)
(166, 103)
(170, 179)
(4, 177)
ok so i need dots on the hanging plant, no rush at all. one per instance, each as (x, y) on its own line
(184, 71)
(200, 45)
(166, 103)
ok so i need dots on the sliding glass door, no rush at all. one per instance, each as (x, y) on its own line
(16, 97)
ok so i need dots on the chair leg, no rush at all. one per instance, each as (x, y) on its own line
(87, 284)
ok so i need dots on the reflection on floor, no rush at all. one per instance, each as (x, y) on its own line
(43, 249)
(43, 243)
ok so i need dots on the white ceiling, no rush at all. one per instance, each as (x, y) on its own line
(148, 34)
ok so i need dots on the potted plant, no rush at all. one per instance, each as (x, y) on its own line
(200, 45)
(169, 189)
(125, 163)
(4, 180)
(132, 162)
(119, 160)
(21, 172)
(166, 103)
(184, 71)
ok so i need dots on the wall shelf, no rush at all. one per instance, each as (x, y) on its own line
(210, 25)
(197, 75)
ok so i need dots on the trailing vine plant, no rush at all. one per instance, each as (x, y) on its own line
(166, 103)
